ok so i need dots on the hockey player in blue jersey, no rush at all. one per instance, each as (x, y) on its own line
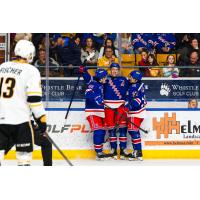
(137, 112)
(94, 110)
(115, 90)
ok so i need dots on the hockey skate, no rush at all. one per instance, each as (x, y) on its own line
(123, 154)
(131, 156)
(114, 154)
(136, 155)
(102, 156)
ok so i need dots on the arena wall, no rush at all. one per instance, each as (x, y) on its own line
(173, 133)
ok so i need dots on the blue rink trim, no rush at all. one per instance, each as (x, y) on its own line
(148, 109)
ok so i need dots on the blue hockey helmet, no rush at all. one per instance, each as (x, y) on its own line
(136, 75)
(115, 65)
(100, 73)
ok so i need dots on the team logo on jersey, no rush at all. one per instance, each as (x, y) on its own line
(165, 89)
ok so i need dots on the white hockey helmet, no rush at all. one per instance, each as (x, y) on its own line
(25, 49)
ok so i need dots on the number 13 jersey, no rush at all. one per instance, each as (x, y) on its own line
(18, 81)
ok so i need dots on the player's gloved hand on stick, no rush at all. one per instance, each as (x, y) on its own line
(42, 124)
(99, 100)
(34, 125)
(82, 69)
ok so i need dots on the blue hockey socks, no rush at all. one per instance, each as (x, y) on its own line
(123, 137)
(98, 140)
(136, 140)
(113, 139)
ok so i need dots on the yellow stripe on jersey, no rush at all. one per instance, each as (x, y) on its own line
(35, 105)
(34, 93)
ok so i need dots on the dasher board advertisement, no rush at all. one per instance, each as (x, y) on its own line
(166, 130)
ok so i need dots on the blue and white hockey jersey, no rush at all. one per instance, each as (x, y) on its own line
(115, 89)
(94, 89)
(136, 100)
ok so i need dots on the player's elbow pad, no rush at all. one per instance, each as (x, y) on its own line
(36, 106)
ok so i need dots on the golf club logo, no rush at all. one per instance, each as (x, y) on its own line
(165, 89)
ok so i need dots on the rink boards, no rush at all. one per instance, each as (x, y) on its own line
(172, 133)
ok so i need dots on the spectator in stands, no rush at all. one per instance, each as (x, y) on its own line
(165, 42)
(68, 52)
(144, 56)
(171, 70)
(126, 47)
(143, 61)
(84, 37)
(108, 43)
(53, 50)
(75, 49)
(89, 55)
(108, 58)
(38, 40)
(41, 63)
(152, 70)
(194, 62)
(151, 60)
(141, 41)
(185, 52)
(59, 49)
(194, 44)
(100, 38)
(193, 103)
(182, 41)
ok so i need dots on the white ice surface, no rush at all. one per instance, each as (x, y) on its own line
(82, 162)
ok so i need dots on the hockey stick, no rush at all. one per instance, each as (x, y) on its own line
(75, 87)
(127, 119)
(59, 150)
(115, 128)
